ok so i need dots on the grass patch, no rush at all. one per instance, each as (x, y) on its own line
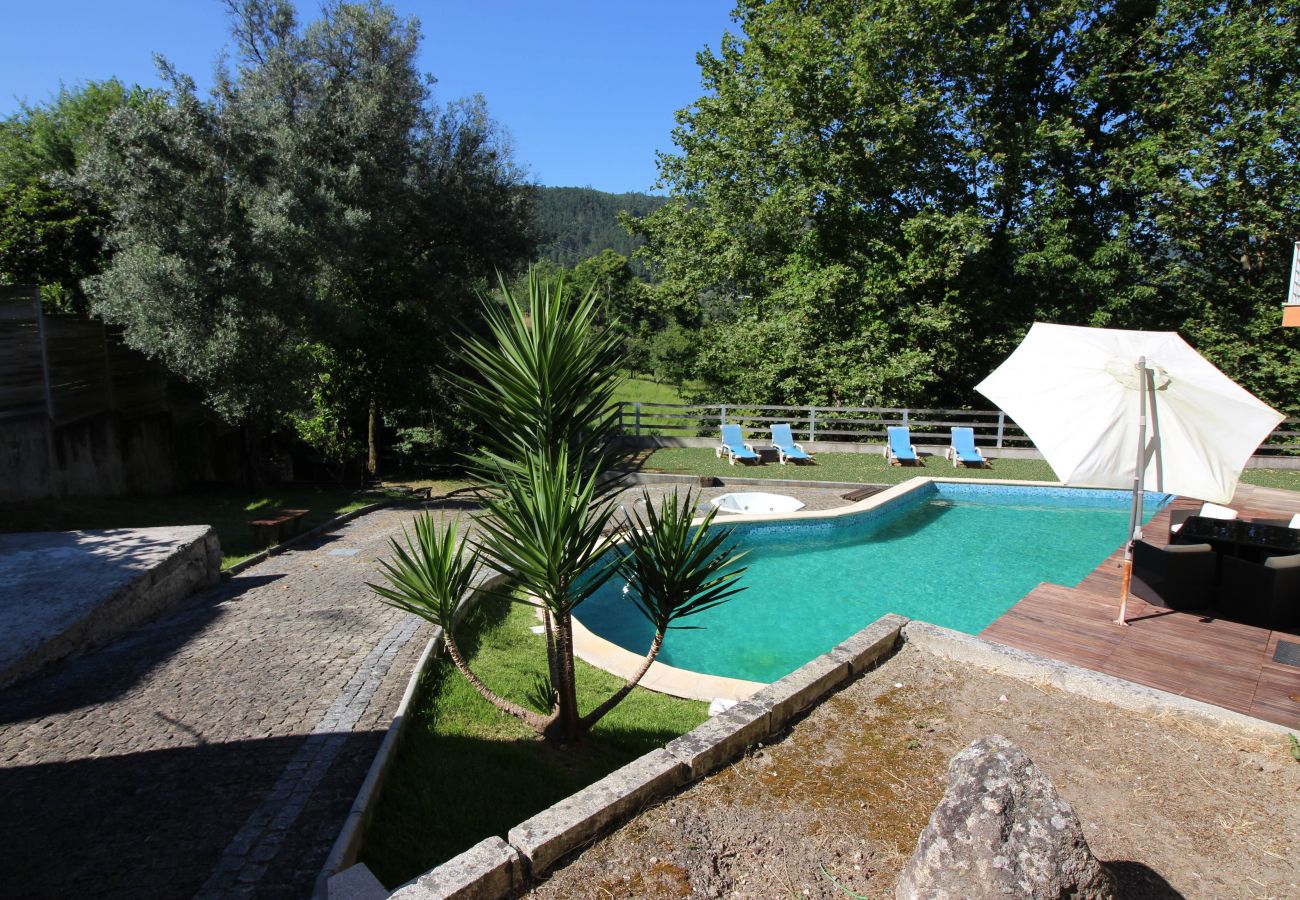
(872, 468)
(645, 390)
(865, 468)
(466, 771)
(1287, 479)
(224, 508)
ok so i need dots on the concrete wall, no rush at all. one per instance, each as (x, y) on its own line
(105, 455)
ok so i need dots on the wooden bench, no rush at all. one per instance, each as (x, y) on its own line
(281, 524)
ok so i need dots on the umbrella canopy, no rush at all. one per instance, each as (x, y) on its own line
(1077, 393)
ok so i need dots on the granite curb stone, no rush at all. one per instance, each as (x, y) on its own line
(356, 883)
(571, 823)
(491, 868)
(348, 844)
(787, 697)
(722, 738)
(864, 649)
(544, 839)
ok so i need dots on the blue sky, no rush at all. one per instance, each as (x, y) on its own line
(586, 89)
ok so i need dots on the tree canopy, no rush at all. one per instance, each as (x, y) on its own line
(301, 240)
(874, 200)
(50, 227)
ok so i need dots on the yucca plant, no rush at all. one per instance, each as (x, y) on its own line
(673, 570)
(428, 576)
(544, 390)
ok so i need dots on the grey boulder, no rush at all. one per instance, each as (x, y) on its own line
(1002, 830)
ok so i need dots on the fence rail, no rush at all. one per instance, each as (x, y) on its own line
(862, 424)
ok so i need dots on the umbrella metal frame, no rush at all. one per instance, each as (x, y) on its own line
(1148, 387)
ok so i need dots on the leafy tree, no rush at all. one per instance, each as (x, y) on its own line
(50, 227)
(874, 200)
(318, 216)
(40, 141)
(545, 386)
(49, 236)
(578, 223)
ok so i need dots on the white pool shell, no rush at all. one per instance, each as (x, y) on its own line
(753, 502)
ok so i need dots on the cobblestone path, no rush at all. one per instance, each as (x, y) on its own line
(217, 750)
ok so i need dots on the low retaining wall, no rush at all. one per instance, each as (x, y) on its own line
(69, 591)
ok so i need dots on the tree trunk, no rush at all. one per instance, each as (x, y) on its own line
(372, 460)
(570, 724)
(253, 456)
(552, 661)
(535, 720)
(596, 714)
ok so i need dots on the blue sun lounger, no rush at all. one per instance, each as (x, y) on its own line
(898, 448)
(963, 449)
(734, 445)
(785, 446)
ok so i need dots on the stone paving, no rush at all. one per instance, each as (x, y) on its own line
(215, 750)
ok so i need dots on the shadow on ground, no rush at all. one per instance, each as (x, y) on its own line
(1140, 882)
(154, 824)
(107, 672)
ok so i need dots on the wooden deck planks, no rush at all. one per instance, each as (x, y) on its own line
(1225, 663)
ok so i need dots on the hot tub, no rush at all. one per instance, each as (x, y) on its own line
(756, 502)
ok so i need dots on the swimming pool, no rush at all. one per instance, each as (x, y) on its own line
(958, 555)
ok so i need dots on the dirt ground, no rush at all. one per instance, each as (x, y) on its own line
(833, 808)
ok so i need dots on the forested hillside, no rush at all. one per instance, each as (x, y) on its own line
(578, 223)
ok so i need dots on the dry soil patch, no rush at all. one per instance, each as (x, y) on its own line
(834, 807)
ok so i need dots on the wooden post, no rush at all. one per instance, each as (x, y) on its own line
(724, 414)
(45, 356)
(1002, 425)
(812, 423)
(637, 407)
(108, 369)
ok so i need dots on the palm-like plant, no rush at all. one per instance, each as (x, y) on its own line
(544, 393)
(428, 576)
(673, 570)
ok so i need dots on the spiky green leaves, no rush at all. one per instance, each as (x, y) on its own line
(545, 381)
(429, 575)
(675, 570)
(546, 526)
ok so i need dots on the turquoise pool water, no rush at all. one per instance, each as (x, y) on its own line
(957, 555)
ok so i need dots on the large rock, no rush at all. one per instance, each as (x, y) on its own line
(1001, 830)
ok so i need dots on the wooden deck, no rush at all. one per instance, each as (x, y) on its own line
(1220, 662)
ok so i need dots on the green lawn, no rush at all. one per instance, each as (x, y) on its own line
(639, 389)
(866, 468)
(871, 468)
(227, 509)
(643, 390)
(466, 771)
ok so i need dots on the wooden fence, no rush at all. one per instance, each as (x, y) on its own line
(67, 368)
(861, 424)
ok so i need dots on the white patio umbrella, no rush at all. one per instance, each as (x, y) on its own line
(1130, 409)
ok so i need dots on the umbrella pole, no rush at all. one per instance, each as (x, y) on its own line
(1135, 513)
